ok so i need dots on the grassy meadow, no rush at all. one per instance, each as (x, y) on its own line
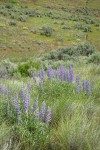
(49, 75)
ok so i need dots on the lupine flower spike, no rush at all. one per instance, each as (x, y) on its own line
(43, 110)
(17, 105)
(36, 110)
(26, 103)
(41, 74)
(70, 76)
(50, 73)
(48, 116)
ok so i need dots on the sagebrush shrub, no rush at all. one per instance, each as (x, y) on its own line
(94, 58)
(47, 31)
(23, 18)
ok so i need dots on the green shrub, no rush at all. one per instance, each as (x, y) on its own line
(13, 16)
(69, 53)
(83, 28)
(23, 18)
(85, 49)
(6, 70)
(66, 27)
(95, 58)
(59, 38)
(23, 69)
(47, 31)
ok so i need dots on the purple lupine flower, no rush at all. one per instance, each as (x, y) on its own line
(48, 116)
(34, 78)
(77, 84)
(88, 88)
(57, 74)
(41, 74)
(35, 105)
(84, 84)
(28, 86)
(41, 85)
(23, 94)
(42, 111)
(26, 103)
(36, 110)
(62, 73)
(1, 89)
(70, 76)
(17, 105)
(50, 73)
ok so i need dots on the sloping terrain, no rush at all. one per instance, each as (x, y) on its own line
(38, 26)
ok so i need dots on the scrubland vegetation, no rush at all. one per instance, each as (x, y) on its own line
(49, 75)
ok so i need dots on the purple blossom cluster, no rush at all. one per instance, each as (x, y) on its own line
(64, 74)
(26, 99)
(44, 114)
(70, 76)
(50, 73)
(61, 73)
(17, 108)
(1, 89)
(86, 87)
(17, 104)
(42, 74)
(67, 75)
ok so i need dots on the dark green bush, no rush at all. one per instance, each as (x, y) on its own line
(23, 68)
